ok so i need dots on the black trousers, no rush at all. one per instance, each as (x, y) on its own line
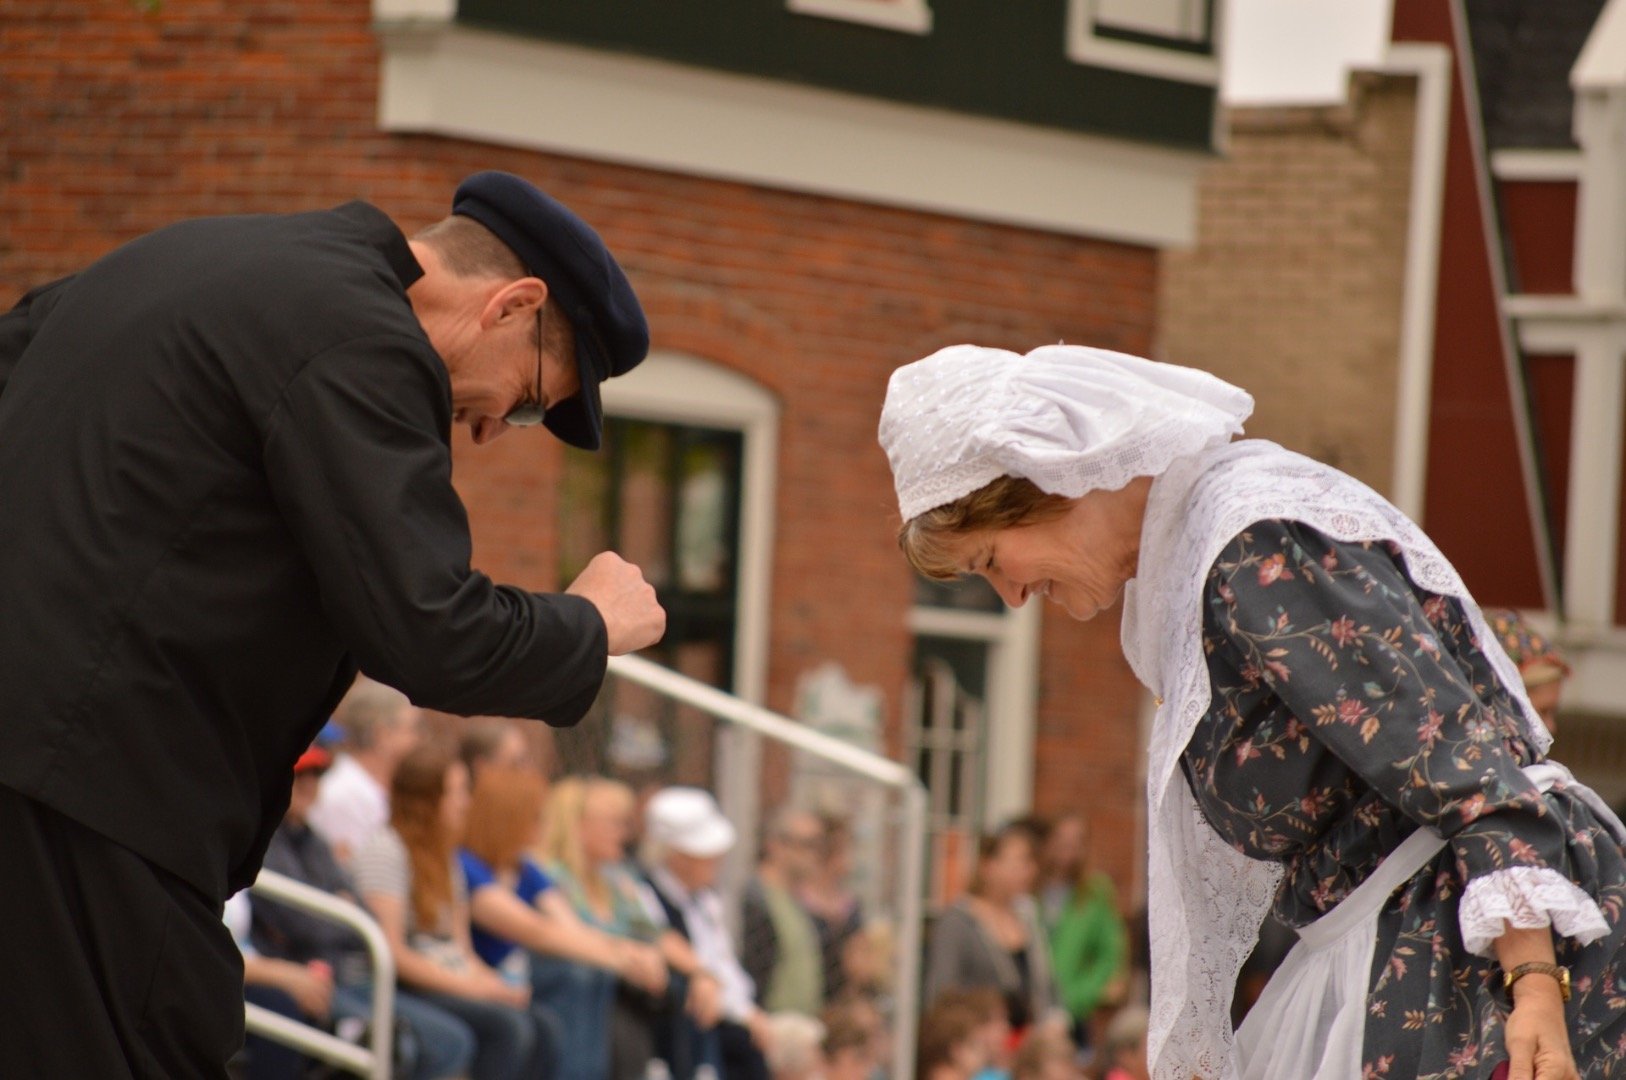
(110, 968)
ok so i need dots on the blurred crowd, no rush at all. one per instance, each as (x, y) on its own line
(1032, 973)
(574, 929)
(580, 928)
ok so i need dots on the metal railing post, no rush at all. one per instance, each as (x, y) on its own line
(911, 917)
(374, 1062)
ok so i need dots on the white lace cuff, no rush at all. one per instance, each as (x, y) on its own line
(1525, 898)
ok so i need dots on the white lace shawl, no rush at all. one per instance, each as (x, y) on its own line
(1206, 900)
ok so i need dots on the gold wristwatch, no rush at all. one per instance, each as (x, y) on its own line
(1562, 974)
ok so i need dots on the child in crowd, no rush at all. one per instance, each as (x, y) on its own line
(950, 1048)
(994, 1033)
(793, 1050)
(851, 1049)
(1046, 1054)
(1124, 1048)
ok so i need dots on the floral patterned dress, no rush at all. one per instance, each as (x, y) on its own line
(1349, 708)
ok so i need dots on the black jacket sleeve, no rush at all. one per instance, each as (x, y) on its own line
(360, 466)
(18, 325)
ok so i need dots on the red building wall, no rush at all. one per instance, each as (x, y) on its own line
(1475, 481)
(113, 122)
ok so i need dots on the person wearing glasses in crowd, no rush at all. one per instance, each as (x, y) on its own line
(779, 941)
(233, 440)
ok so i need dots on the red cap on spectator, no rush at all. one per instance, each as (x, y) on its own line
(314, 758)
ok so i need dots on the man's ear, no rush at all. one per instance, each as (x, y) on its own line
(518, 299)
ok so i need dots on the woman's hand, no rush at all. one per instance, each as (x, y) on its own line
(642, 966)
(490, 986)
(1538, 1042)
(311, 987)
(705, 1002)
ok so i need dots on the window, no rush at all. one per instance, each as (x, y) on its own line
(1172, 39)
(911, 16)
(683, 486)
(969, 718)
(667, 498)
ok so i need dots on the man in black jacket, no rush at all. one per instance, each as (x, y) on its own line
(225, 471)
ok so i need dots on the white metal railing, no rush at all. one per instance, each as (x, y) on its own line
(373, 1061)
(880, 769)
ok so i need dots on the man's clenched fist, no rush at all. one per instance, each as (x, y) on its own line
(633, 618)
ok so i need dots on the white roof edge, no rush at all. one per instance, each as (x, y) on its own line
(1602, 63)
(1536, 165)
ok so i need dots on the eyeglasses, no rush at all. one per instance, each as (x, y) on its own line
(531, 411)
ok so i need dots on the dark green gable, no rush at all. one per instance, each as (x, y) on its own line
(998, 58)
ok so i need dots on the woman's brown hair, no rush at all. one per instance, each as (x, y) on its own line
(927, 539)
(989, 846)
(415, 797)
(943, 1030)
(503, 815)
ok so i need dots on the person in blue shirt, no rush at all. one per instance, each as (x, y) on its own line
(517, 914)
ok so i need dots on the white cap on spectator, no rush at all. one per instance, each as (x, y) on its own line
(688, 820)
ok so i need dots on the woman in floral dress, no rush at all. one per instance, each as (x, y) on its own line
(1338, 736)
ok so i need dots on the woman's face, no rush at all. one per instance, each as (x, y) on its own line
(454, 801)
(605, 824)
(1011, 870)
(1080, 560)
(1064, 851)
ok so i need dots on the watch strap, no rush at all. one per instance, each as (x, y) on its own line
(1559, 974)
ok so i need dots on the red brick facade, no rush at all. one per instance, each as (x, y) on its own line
(116, 121)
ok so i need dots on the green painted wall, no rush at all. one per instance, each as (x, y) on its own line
(1001, 58)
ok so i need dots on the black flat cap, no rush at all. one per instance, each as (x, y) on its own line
(612, 335)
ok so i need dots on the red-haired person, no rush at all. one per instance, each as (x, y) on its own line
(409, 877)
(519, 915)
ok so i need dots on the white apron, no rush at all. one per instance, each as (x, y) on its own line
(1310, 1021)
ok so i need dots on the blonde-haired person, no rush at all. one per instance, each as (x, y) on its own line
(586, 823)
(993, 936)
(1335, 732)
(796, 1043)
(409, 877)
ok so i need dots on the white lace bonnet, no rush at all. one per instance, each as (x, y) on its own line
(1071, 419)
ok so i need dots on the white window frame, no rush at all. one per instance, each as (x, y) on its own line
(676, 388)
(909, 16)
(1085, 46)
(1010, 702)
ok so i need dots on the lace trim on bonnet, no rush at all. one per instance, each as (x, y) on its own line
(1205, 899)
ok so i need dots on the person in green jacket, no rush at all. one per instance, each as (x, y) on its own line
(1089, 944)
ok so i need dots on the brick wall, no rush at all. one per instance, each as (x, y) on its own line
(1294, 288)
(113, 122)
